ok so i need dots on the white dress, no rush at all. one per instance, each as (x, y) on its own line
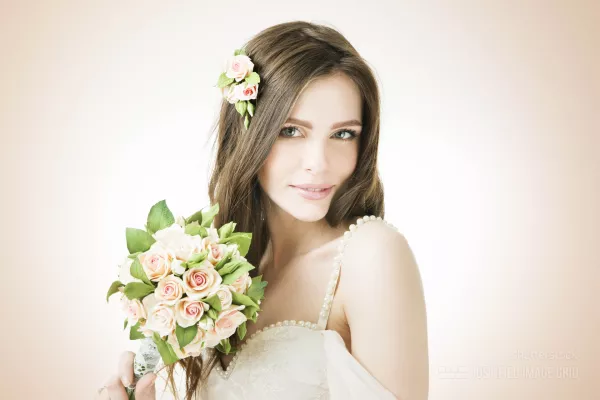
(291, 360)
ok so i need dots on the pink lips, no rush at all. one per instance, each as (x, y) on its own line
(310, 195)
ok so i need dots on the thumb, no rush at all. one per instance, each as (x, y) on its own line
(145, 388)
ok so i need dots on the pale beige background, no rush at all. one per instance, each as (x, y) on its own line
(490, 156)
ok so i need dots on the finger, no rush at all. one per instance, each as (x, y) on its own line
(115, 389)
(126, 367)
(145, 388)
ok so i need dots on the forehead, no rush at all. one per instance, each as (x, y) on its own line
(329, 99)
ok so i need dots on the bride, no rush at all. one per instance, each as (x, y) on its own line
(343, 315)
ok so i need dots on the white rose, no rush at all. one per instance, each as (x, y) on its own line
(242, 283)
(177, 241)
(225, 325)
(125, 272)
(176, 267)
(161, 319)
(133, 309)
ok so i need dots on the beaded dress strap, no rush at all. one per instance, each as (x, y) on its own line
(337, 265)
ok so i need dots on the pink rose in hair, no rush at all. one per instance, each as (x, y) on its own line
(238, 67)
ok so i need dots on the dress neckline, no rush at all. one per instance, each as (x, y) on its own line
(325, 308)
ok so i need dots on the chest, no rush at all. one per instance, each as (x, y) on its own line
(298, 294)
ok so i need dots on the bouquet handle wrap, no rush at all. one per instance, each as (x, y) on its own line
(146, 360)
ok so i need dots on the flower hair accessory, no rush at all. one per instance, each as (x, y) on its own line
(239, 84)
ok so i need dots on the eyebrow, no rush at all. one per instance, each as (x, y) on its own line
(306, 124)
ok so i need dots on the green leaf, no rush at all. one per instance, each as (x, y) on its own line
(125, 324)
(136, 290)
(214, 302)
(251, 109)
(138, 240)
(242, 299)
(196, 217)
(185, 335)
(251, 313)
(246, 121)
(253, 78)
(224, 80)
(114, 288)
(239, 271)
(230, 267)
(134, 334)
(134, 255)
(256, 291)
(194, 229)
(241, 331)
(241, 107)
(225, 345)
(242, 239)
(159, 217)
(209, 214)
(198, 257)
(239, 52)
(166, 351)
(226, 258)
(137, 271)
(212, 313)
(226, 230)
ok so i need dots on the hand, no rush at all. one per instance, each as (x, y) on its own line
(115, 385)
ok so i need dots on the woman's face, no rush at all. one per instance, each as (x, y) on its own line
(318, 145)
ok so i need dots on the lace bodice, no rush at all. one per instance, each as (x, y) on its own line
(292, 360)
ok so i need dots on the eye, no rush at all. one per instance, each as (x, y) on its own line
(286, 130)
(351, 134)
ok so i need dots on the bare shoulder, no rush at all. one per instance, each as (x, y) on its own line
(382, 298)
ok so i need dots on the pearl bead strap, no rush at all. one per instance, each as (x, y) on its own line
(325, 308)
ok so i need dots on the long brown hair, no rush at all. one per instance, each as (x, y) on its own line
(287, 56)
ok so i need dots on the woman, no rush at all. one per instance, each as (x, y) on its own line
(343, 314)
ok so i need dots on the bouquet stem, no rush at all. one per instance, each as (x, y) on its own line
(146, 360)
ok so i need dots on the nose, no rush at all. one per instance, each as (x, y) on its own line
(315, 156)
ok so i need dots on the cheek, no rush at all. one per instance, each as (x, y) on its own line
(275, 173)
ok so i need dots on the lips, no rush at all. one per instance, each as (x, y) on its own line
(313, 186)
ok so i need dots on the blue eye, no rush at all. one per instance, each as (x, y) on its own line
(351, 133)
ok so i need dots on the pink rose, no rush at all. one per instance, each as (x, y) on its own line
(202, 281)
(243, 91)
(189, 311)
(238, 67)
(161, 319)
(156, 262)
(242, 283)
(169, 290)
(133, 309)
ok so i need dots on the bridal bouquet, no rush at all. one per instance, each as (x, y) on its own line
(185, 286)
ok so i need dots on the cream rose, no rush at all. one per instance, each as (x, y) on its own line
(224, 294)
(228, 93)
(169, 290)
(156, 262)
(225, 325)
(238, 67)
(193, 349)
(134, 310)
(212, 237)
(161, 319)
(244, 91)
(216, 252)
(180, 243)
(201, 281)
(189, 311)
(242, 283)
(176, 267)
